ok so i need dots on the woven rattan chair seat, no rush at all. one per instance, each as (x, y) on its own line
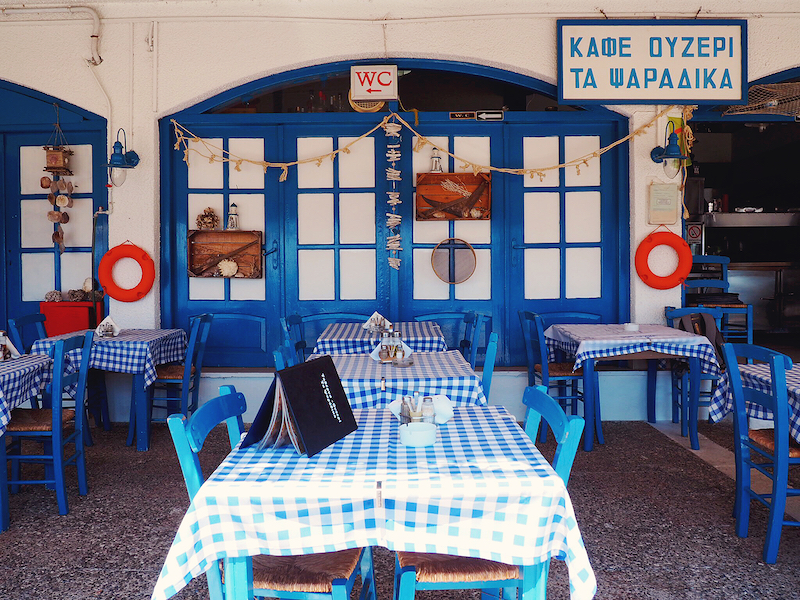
(170, 371)
(560, 369)
(765, 438)
(720, 304)
(304, 572)
(444, 567)
(36, 419)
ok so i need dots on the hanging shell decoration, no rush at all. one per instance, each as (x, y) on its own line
(227, 267)
(51, 198)
(45, 182)
(54, 296)
(53, 216)
(62, 201)
(64, 218)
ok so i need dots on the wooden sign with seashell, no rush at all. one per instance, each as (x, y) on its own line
(453, 196)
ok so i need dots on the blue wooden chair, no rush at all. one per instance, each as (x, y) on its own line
(48, 425)
(301, 331)
(333, 571)
(420, 571)
(462, 331)
(284, 357)
(769, 451)
(180, 383)
(488, 364)
(683, 409)
(25, 330)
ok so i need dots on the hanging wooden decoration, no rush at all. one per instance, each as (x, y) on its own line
(393, 176)
(453, 196)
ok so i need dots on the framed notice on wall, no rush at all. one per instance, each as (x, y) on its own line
(664, 204)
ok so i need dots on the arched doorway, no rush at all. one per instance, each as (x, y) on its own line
(555, 244)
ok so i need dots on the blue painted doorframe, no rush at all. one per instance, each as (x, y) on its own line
(395, 291)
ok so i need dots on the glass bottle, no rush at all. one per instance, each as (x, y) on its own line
(428, 412)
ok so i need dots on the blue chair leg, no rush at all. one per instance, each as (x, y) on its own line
(776, 513)
(57, 451)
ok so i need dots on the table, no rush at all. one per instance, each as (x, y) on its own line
(757, 376)
(592, 342)
(371, 384)
(352, 338)
(20, 379)
(483, 489)
(134, 351)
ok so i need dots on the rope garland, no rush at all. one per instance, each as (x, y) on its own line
(216, 154)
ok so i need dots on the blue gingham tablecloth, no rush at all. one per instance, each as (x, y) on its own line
(132, 351)
(482, 490)
(352, 338)
(757, 376)
(21, 379)
(371, 384)
(609, 340)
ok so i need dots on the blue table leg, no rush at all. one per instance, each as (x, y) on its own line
(652, 374)
(694, 401)
(4, 511)
(238, 578)
(590, 393)
(140, 413)
(534, 581)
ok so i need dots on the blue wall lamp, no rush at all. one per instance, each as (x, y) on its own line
(121, 160)
(670, 154)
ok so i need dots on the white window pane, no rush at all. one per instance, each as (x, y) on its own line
(38, 276)
(576, 147)
(315, 274)
(430, 232)
(204, 174)
(251, 211)
(357, 274)
(421, 161)
(37, 229)
(78, 232)
(199, 202)
(474, 232)
(312, 175)
(248, 289)
(473, 149)
(357, 218)
(81, 167)
(357, 169)
(479, 286)
(249, 176)
(583, 273)
(315, 218)
(427, 286)
(31, 162)
(582, 217)
(542, 218)
(206, 288)
(542, 273)
(75, 268)
(537, 153)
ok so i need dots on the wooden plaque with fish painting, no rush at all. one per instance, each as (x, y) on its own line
(453, 196)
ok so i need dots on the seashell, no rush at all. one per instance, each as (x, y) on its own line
(69, 187)
(54, 216)
(70, 202)
(62, 185)
(45, 182)
(58, 236)
(76, 296)
(87, 285)
(62, 200)
(54, 187)
(51, 198)
(227, 267)
(54, 296)
(64, 218)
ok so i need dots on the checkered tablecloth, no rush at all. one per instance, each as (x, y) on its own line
(609, 340)
(21, 379)
(371, 384)
(481, 490)
(352, 338)
(132, 351)
(757, 376)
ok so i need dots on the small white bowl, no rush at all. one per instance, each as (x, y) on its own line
(418, 434)
(631, 327)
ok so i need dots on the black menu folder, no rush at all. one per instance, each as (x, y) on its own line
(305, 406)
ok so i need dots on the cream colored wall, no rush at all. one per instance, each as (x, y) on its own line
(160, 57)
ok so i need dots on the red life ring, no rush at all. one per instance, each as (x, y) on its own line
(104, 273)
(677, 243)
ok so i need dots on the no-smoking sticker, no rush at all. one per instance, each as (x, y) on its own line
(694, 234)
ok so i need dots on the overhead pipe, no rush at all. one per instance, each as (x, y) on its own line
(96, 59)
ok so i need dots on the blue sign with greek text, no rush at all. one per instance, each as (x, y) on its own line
(652, 61)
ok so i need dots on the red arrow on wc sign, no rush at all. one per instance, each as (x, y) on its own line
(373, 82)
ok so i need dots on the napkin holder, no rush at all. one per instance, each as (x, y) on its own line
(377, 323)
(107, 328)
(7, 349)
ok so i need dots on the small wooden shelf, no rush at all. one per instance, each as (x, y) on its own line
(206, 247)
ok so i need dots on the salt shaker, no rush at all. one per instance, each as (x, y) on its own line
(428, 412)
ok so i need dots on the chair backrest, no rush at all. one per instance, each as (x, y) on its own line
(69, 377)
(301, 331)
(488, 364)
(199, 328)
(702, 320)
(705, 265)
(774, 399)
(535, 347)
(566, 429)
(24, 331)
(553, 318)
(284, 357)
(462, 331)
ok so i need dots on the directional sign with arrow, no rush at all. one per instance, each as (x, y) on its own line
(373, 82)
(489, 115)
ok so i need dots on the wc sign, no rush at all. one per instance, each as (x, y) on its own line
(373, 82)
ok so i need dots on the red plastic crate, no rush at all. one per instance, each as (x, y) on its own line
(66, 317)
